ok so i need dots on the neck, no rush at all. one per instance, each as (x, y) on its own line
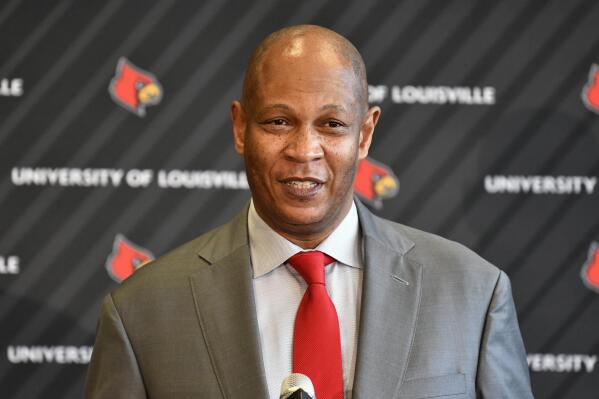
(308, 241)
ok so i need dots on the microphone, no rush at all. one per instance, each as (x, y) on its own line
(297, 386)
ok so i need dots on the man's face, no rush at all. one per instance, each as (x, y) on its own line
(301, 139)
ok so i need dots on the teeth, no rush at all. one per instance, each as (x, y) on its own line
(302, 184)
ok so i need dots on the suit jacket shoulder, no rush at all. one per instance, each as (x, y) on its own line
(169, 327)
(455, 324)
(438, 256)
(170, 270)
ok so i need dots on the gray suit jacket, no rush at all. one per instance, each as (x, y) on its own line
(436, 320)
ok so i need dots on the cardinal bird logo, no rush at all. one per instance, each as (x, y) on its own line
(590, 270)
(590, 92)
(375, 182)
(133, 88)
(126, 258)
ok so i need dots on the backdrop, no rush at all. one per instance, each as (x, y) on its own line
(115, 146)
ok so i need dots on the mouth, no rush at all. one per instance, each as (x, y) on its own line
(302, 187)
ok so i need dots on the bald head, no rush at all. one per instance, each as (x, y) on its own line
(310, 42)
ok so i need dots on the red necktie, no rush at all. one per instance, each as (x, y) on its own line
(316, 340)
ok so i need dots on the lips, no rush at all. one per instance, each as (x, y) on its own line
(302, 184)
(302, 187)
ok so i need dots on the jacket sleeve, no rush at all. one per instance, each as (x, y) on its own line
(502, 369)
(113, 372)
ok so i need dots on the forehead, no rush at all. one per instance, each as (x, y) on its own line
(300, 69)
(307, 83)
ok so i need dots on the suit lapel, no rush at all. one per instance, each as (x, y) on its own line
(390, 302)
(224, 301)
(225, 305)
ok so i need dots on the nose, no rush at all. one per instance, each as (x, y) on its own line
(304, 145)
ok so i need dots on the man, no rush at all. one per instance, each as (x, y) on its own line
(404, 314)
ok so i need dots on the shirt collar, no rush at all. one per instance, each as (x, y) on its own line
(269, 250)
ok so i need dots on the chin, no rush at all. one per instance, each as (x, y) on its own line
(302, 216)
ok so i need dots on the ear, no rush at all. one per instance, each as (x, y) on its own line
(238, 119)
(367, 129)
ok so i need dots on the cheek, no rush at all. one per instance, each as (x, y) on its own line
(259, 159)
(255, 165)
(344, 160)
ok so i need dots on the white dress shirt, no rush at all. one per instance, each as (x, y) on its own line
(278, 290)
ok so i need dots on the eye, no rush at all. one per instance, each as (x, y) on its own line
(276, 125)
(278, 122)
(334, 124)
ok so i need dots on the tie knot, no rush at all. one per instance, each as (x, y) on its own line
(311, 265)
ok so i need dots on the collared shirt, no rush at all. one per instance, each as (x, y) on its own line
(278, 290)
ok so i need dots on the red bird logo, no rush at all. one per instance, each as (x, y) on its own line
(590, 269)
(375, 182)
(590, 92)
(133, 88)
(126, 258)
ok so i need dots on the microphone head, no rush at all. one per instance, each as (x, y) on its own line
(294, 382)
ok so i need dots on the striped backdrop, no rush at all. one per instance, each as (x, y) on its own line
(486, 123)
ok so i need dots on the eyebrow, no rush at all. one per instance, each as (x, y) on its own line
(333, 107)
(277, 106)
(286, 107)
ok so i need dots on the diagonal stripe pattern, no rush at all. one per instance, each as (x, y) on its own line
(535, 55)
